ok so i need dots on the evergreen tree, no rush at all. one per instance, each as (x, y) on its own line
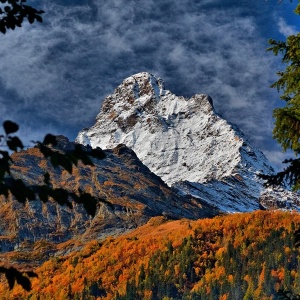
(287, 118)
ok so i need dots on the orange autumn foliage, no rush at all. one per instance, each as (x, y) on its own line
(116, 261)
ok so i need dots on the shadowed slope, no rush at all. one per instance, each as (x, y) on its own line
(129, 195)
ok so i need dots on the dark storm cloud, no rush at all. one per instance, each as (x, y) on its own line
(58, 73)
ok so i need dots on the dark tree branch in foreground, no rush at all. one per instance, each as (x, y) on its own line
(66, 160)
(290, 175)
(13, 275)
(23, 192)
(12, 15)
(14, 12)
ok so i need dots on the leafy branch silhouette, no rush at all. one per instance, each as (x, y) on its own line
(14, 12)
(12, 15)
(23, 192)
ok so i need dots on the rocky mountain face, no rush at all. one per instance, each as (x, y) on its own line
(165, 156)
(133, 192)
(187, 144)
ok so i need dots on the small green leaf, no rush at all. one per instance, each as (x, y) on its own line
(58, 159)
(98, 153)
(7, 9)
(4, 190)
(2, 28)
(47, 178)
(43, 194)
(44, 149)
(89, 203)
(10, 127)
(39, 18)
(14, 143)
(23, 281)
(30, 19)
(61, 196)
(50, 140)
(10, 278)
(20, 191)
(31, 274)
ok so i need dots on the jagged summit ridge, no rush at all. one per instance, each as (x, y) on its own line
(184, 141)
(177, 138)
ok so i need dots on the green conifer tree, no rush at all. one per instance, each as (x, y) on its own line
(287, 118)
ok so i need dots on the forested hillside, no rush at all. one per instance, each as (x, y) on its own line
(239, 256)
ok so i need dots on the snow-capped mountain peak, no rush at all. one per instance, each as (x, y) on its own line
(184, 141)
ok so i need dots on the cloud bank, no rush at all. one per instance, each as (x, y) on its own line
(286, 29)
(54, 76)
